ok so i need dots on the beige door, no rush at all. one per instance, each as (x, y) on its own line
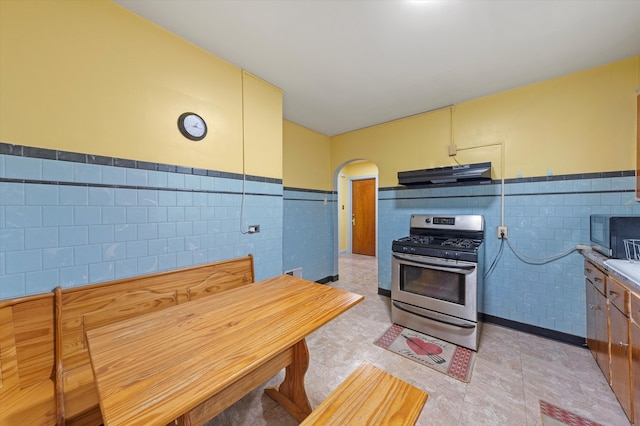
(363, 217)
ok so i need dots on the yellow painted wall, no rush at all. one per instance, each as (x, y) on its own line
(397, 145)
(92, 77)
(582, 122)
(307, 160)
(262, 127)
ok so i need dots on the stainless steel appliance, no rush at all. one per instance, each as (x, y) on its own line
(608, 233)
(480, 172)
(437, 277)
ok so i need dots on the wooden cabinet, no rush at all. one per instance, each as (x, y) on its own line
(620, 363)
(635, 370)
(613, 335)
(635, 356)
(597, 318)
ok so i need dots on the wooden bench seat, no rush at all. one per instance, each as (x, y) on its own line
(86, 308)
(370, 396)
(45, 372)
(27, 388)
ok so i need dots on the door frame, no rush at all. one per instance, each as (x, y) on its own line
(350, 211)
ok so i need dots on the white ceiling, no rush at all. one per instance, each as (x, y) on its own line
(349, 64)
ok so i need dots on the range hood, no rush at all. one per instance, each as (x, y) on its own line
(467, 172)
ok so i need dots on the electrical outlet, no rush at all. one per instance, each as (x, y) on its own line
(502, 232)
(254, 228)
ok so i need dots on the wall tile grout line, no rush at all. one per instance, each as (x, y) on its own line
(48, 154)
(133, 187)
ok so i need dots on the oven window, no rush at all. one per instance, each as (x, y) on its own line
(433, 283)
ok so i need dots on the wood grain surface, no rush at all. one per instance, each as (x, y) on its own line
(84, 308)
(370, 396)
(153, 368)
(27, 391)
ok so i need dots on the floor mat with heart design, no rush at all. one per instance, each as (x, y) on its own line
(445, 357)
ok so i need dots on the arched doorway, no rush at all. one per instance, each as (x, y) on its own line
(357, 187)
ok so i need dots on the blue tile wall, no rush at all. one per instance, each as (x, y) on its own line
(78, 219)
(544, 218)
(68, 223)
(310, 233)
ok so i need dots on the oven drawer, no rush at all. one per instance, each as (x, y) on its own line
(455, 330)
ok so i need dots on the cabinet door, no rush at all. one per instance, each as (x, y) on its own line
(597, 328)
(620, 359)
(635, 370)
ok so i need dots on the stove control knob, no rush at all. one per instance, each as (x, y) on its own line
(428, 220)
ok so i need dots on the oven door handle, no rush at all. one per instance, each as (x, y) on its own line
(455, 324)
(437, 265)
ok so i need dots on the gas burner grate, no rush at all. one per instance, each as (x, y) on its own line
(422, 239)
(459, 243)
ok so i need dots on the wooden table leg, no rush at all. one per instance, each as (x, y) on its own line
(291, 393)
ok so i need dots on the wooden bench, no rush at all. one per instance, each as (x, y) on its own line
(27, 390)
(89, 307)
(370, 396)
(45, 372)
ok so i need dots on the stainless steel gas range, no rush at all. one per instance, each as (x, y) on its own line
(437, 277)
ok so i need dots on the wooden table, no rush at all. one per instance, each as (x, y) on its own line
(193, 360)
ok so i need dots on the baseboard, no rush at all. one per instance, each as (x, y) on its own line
(535, 330)
(331, 278)
(384, 292)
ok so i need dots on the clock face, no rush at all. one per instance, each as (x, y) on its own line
(192, 126)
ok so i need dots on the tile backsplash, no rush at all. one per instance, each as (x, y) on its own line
(545, 216)
(72, 219)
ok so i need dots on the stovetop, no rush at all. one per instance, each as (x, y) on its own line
(429, 240)
(457, 249)
(452, 237)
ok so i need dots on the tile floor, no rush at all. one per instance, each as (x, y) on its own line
(512, 372)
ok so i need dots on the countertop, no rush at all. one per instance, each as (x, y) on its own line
(619, 269)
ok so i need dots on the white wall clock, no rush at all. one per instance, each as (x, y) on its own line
(192, 126)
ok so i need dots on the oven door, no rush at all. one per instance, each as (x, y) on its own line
(436, 284)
